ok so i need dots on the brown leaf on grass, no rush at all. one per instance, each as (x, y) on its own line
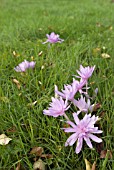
(48, 156)
(4, 140)
(37, 151)
(99, 147)
(102, 114)
(39, 165)
(105, 55)
(12, 129)
(96, 107)
(94, 166)
(18, 166)
(104, 152)
(17, 83)
(88, 165)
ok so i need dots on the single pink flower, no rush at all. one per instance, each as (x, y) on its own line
(57, 107)
(53, 38)
(85, 72)
(83, 106)
(83, 130)
(24, 65)
(69, 91)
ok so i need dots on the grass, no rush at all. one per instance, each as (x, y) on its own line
(84, 25)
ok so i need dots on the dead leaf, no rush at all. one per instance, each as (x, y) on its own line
(105, 55)
(94, 166)
(39, 165)
(18, 166)
(96, 107)
(40, 53)
(15, 54)
(37, 151)
(48, 156)
(4, 140)
(88, 165)
(17, 83)
(104, 152)
(42, 67)
(12, 129)
(99, 147)
(31, 104)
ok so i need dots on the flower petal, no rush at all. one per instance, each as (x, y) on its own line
(95, 138)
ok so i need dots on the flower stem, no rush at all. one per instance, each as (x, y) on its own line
(66, 117)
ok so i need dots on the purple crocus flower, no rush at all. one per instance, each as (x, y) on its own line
(53, 38)
(83, 106)
(57, 107)
(83, 130)
(24, 65)
(85, 72)
(69, 91)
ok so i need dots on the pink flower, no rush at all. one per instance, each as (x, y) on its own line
(85, 73)
(83, 130)
(57, 107)
(53, 38)
(83, 106)
(70, 90)
(24, 65)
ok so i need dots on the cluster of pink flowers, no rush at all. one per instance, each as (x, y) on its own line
(52, 39)
(84, 129)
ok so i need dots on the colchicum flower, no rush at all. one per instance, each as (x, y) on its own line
(83, 130)
(53, 38)
(57, 107)
(24, 65)
(70, 90)
(83, 106)
(85, 72)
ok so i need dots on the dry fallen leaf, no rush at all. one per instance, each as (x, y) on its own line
(40, 53)
(99, 147)
(96, 107)
(48, 156)
(37, 151)
(17, 83)
(4, 140)
(31, 104)
(18, 166)
(88, 165)
(104, 152)
(39, 165)
(105, 55)
(15, 54)
(12, 129)
(94, 166)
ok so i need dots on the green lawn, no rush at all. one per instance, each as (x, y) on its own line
(85, 26)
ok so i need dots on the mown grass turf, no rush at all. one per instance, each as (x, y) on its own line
(84, 25)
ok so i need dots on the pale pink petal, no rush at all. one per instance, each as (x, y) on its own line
(79, 145)
(95, 138)
(88, 142)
